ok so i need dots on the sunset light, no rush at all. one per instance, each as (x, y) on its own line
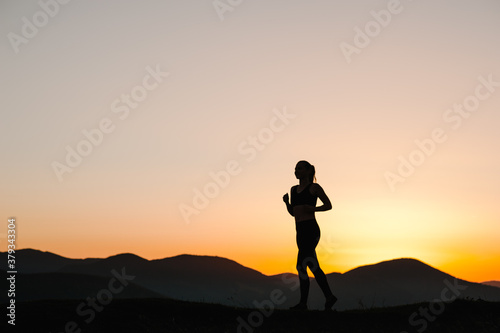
(174, 127)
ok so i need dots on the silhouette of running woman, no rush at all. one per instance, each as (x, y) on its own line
(303, 207)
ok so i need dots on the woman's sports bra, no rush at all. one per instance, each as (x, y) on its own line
(304, 197)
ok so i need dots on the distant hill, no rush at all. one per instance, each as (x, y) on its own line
(492, 283)
(35, 261)
(399, 282)
(223, 281)
(186, 277)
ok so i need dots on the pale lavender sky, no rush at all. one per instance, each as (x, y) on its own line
(352, 120)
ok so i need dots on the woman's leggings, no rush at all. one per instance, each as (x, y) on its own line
(308, 235)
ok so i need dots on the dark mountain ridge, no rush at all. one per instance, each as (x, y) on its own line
(224, 281)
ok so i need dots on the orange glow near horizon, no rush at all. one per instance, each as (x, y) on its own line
(264, 240)
(337, 251)
(470, 268)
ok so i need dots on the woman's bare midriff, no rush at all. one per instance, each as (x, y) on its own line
(303, 213)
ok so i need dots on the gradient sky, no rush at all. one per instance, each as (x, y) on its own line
(227, 81)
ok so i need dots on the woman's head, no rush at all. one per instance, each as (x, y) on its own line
(304, 169)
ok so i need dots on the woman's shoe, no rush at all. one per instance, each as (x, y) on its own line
(330, 302)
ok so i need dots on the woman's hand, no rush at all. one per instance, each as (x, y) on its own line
(288, 206)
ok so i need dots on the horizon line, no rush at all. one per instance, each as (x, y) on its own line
(215, 256)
